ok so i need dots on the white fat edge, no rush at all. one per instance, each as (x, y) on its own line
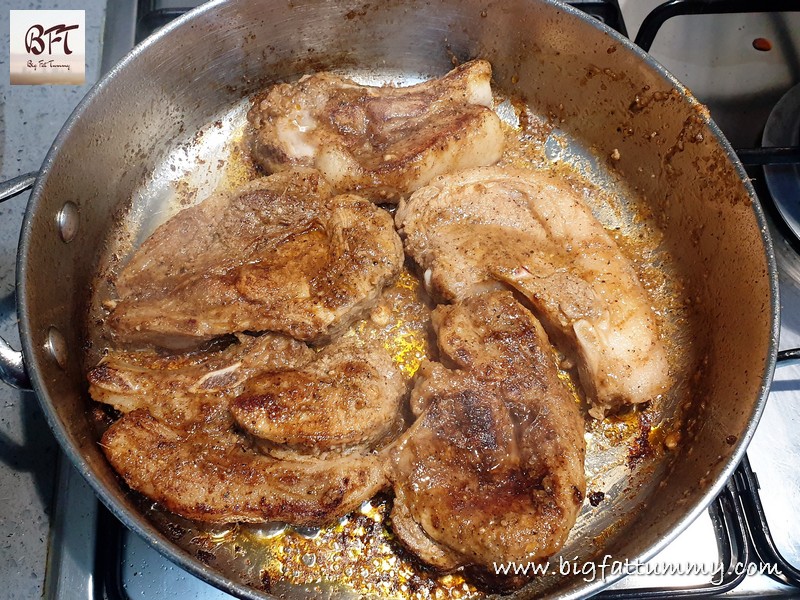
(294, 134)
(480, 92)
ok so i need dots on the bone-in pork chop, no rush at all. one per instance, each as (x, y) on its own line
(169, 385)
(485, 227)
(492, 470)
(347, 397)
(178, 444)
(282, 254)
(380, 141)
(206, 471)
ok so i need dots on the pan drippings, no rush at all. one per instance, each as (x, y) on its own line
(359, 554)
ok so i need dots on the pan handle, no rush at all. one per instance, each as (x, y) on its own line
(12, 367)
(12, 187)
(788, 357)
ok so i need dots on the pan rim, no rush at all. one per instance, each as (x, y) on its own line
(136, 523)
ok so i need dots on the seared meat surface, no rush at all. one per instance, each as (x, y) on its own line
(178, 444)
(347, 397)
(168, 386)
(306, 421)
(492, 470)
(282, 254)
(206, 471)
(489, 227)
(380, 141)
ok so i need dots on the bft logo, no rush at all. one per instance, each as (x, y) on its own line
(47, 46)
(35, 38)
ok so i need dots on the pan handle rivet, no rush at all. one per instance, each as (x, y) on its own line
(56, 347)
(67, 221)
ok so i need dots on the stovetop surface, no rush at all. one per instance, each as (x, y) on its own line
(712, 56)
(30, 119)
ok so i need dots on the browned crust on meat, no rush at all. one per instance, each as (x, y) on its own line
(492, 471)
(385, 142)
(348, 397)
(206, 472)
(282, 255)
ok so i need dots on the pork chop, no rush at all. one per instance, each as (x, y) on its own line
(348, 397)
(492, 470)
(205, 470)
(282, 254)
(177, 442)
(380, 141)
(489, 227)
(168, 386)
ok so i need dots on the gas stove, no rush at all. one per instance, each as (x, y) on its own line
(743, 66)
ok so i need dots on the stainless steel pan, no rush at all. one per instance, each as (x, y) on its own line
(642, 135)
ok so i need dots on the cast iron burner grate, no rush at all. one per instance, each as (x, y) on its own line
(777, 163)
(750, 157)
(727, 517)
(742, 533)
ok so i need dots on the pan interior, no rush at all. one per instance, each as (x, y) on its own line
(357, 555)
(663, 169)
